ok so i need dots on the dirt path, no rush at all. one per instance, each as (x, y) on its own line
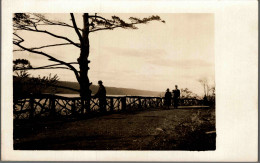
(144, 130)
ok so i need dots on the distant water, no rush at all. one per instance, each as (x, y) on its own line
(77, 95)
(67, 95)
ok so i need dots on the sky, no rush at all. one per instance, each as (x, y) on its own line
(156, 56)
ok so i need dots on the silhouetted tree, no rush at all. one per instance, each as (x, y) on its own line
(207, 88)
(209, 91)
(20, 67)
(91, 23)
(212, 95)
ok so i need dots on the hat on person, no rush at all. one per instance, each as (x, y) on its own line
(100, 82)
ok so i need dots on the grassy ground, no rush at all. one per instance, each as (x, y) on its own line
(153, 129)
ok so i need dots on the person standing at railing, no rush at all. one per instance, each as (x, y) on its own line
(167, 98)
(101, 95)
(205, 100)
(176, 95)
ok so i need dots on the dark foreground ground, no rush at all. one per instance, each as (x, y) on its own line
(153, 129)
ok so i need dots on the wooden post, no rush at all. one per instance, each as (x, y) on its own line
(139, 103)
(145, 104)
(73, 107)
(123, 103)
(111, 104)
(52, 106)
(31, 107)
(157, 101)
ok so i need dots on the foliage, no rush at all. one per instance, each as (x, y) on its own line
(198, 132)
(20, 67)
(186, 93)
(24, 84)
(115, 22)
(209, 92)
(32, 85)
(194, 131)
(211, 96)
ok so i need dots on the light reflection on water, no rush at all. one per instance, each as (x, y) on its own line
(77, 95)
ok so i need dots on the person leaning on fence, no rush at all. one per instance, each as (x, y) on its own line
(176, 95)
(167, 98)
(101, 95)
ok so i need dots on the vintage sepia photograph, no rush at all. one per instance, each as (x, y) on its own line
(113, 81)
(129, 81)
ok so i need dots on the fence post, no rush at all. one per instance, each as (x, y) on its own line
(150, 102)
(157, 101)
(73, 107)
(145, 105)
(31, 107)
(52, 106)
(139, 103)
(111, 104)
(153, 103)
(123, 103)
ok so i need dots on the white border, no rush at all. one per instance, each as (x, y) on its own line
(236, 78)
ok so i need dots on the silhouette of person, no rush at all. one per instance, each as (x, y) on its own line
(101, 95)
(205, 100)
(176, 95)
(168, 97)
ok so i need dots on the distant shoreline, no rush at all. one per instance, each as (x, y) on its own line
(66, 87)
(78, 95)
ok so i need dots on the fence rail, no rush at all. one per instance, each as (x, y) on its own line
(34, 106)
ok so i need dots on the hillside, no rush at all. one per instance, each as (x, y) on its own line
(110, 90)
(30, 85)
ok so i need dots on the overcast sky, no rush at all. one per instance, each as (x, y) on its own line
(154, 57)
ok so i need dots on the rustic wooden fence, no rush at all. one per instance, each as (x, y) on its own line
(52, 105)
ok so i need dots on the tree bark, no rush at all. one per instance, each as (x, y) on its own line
(85, 92)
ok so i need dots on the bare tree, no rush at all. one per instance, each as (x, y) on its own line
(186, 93)
(91, 23)
(204, 83)
(208, 89)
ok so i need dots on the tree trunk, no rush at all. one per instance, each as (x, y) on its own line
(85, 92)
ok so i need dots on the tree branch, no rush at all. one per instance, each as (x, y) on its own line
(107, 28)
(21, 39)
(51, 22)
(50, 58)
(37, 68)
(95, 16)
(59, 86)
(117, 22)
(46, 67)
(76, 28)
(65, 25)
(46, 46)
(52, 34)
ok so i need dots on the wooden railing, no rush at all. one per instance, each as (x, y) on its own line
(52, 105)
